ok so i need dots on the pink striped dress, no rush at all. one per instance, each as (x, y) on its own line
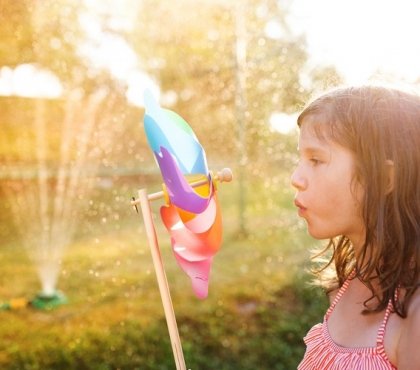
(322, 353)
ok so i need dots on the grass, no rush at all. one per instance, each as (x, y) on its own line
(259, 306)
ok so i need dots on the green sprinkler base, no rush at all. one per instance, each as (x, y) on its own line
(48, 302)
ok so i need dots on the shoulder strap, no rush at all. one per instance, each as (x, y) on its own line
(381, 331)
(338, 296)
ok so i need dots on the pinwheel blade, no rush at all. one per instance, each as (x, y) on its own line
(167, 129)
(179, 190)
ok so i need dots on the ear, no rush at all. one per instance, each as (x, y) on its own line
(390, 176)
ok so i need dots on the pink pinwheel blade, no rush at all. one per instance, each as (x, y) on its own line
(199, 272)
(190, 244)
(195, 242)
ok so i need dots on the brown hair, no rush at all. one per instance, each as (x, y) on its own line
(380, 126)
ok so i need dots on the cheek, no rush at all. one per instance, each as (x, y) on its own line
(335, 197)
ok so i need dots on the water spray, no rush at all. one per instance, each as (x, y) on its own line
(54, 187)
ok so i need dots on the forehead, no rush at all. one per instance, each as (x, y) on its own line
(318, 124)
(316, 138)
(314, 131)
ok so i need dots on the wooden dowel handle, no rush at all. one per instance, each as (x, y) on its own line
(225, 175)
(162, 281)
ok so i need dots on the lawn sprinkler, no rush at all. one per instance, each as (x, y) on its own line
(41, 301)
(47, 302)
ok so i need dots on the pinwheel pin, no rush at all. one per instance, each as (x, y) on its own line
(191, 212)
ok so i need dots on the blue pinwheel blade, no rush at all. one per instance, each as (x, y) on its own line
(167, 129)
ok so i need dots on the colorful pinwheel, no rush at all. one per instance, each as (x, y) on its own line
(192, 215)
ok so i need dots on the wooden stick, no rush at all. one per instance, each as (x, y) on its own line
(224, 175)
(162, 281)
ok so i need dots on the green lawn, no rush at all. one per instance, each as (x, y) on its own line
(259, 306)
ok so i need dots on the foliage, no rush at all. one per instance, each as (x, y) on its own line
(17, 38)
(198, 60)
(324, 78)
(270, 338)
(258, 310)
(260, 305)
(44, 33)
(115, 322)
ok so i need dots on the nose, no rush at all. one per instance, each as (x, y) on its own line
(297, 179)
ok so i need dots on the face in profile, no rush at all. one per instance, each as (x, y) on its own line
(327, 196)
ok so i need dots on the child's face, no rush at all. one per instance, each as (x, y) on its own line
(327, 197)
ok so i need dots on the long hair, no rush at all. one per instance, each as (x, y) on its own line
(381, 127)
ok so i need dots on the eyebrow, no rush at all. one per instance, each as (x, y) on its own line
(312, 150)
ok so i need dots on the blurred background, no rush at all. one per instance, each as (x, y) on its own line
(73, 153)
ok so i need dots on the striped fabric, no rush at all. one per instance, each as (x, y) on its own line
(322, 353)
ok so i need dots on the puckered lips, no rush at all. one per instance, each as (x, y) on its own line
(301, 208)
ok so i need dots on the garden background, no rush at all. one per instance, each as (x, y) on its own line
(73, 153)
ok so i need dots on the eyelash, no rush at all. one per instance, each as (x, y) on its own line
(314, 161)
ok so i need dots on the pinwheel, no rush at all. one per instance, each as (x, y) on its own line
(191, 213)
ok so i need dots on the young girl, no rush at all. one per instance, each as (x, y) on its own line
(358, 185)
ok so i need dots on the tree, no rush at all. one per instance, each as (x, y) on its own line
(17, 36)
(323, 78)
(196, 59)
(45, 33)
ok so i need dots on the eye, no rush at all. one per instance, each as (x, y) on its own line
(314, 161)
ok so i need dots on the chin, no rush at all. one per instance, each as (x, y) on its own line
(319, 234)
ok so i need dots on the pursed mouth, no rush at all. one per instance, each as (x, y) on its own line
(299, 205)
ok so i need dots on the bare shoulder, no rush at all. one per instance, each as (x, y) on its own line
(413, 317)
(407, 352)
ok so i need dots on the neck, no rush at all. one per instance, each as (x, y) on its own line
(357, 241)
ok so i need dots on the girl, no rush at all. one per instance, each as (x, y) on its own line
(358, 185)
